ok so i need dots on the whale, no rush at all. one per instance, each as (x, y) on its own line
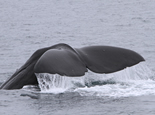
(64, 60)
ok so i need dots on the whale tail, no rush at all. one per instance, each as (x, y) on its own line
(25, 75)
(21, 78)
(64, 60)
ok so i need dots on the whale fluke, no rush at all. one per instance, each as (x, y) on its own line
(64, 60)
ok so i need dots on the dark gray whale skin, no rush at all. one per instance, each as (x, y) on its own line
(64, 60)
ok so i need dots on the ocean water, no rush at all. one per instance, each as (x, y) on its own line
(26, 26)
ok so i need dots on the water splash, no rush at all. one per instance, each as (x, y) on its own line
(137, 88)
(132, 81)
(136, 72)
(55, 83)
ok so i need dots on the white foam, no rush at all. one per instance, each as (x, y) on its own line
(132, 81)
(120, 90)
(54, 83)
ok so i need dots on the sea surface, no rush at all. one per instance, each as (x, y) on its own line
(27, 25)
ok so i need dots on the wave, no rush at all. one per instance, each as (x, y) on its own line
(132, 81)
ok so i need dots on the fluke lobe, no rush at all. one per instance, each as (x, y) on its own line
(64, 60)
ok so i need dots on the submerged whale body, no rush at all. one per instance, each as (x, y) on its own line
(73, 62)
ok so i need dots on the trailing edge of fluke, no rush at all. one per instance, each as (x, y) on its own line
(64, 60)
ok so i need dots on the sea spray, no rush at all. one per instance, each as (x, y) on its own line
(137, 72)
(54, 83)
(132, 81)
